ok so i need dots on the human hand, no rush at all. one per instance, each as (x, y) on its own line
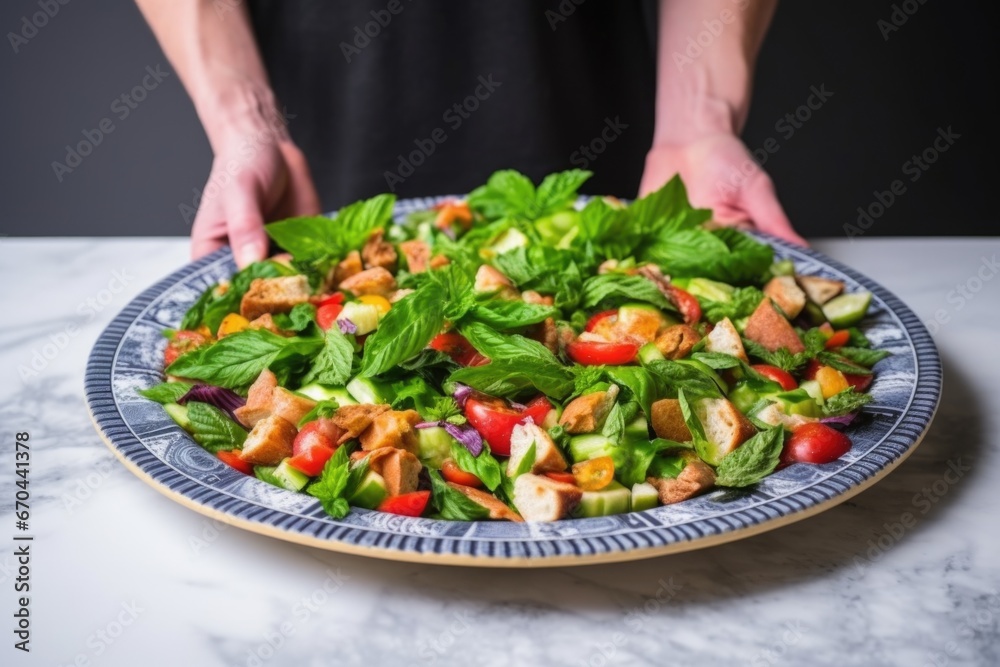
(251, 182)
(720, 174)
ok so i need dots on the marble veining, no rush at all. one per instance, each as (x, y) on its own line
(904, 573)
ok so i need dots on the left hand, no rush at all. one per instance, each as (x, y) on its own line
(720, 174)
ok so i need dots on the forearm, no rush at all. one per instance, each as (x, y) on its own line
(705, 59)
(216, 58)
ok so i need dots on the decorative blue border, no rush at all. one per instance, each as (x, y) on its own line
(121, 360)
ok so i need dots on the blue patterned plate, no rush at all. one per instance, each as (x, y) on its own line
(128, 357)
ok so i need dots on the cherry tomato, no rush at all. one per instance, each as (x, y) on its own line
(859, 382)
(337, 298)
(564, 477)
(815, 443)
(538, 408)
(311, 449)
(451, 472)
(595, 474)
(495, 419)
(839, 339)
(235, 459)
(458, 348)
(686, 303)
(326, 315)
(775, 374)
(182, 341)
(596, 354)
(598, 318)
(407, 504)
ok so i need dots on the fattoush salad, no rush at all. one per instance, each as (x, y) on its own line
(518, 355)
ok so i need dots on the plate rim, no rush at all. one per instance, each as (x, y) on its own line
(915, 419)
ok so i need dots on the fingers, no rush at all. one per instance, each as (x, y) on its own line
(301, 196)
(208, 233)
(761, 204)
(245, 221)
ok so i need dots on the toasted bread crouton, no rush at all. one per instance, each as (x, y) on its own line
(417, 254)
(548, 458)
(392, 428)
(266, 321)
(676, 342)
(546, 333)
(531, 296)
(724, 425)
(497, 508)
(695, 478)
(768, 328)
(398, 467)
(787, 295)
(724, 338)
(607, 266)
(289, 405)
(437, 261)
(489, 280)
(376, 252)
(349, 266)
(668, 420)
(354, 419)
(370, 281)
(258, 403)
(586, 414)
(774, 415)
(540, 498)
(274, 295)
(820, 290)
(269, 442)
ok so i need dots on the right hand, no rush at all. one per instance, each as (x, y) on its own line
(250, 184)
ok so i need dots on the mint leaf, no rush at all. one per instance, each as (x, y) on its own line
(333, 365)
(638, 458)
(322, 410)
(507, 194)
(744, 301)
(453, 505)
(213, 429)
(484, 466)
(314, 238)
(863, 356)
(331, 487)
(845, 402)
(619, 288)
(444, 408)
(752, 461)
(510, 314)
(166, 392)
(724, 254)
(837, 362)
(684, 377)
(558, 192)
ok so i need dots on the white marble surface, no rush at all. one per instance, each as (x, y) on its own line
(123, 576)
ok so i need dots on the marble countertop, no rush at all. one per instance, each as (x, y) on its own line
(905, 573)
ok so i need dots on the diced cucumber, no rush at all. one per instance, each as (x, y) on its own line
(612, 499)
(813, 389)
(742, 396)
(554, 229)
(318, 392)
(711, 290)
(847, 310)
(364, 316)
(179, 413)
(593, 445)
(644, 497)
(649, 352)
(814, 313)
(369, 392)
(798, 402)
(552, 417)
(290, 478)
(637, 312)
(637, 429)
(783, 268)
(371, 492)
(707, 370)
(510, 239)
(433, 446)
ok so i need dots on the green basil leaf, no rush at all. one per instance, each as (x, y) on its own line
(405, 330)
(752, 461)
(166, 392)
(213, 429)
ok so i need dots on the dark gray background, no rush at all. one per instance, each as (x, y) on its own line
(890, 96)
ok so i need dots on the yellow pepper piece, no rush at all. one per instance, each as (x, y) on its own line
(232, 323)
(380, 302)
(831, 381)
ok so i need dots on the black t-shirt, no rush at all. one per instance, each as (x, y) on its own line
(424, 97)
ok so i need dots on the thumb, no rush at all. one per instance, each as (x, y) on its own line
(245, 222)
(762, 206)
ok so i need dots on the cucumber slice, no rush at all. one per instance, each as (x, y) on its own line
(290, 478)
(508, 240)
(364, 316)
(814, 313)
(593, 445)
(637, 429)
(369, 392)
(703, 288)
(649, 352)
(179, 413)
(612, 499)
(798, 402)
(783, 268)
(644, 497)
(318, 392)
(847, 310)
(371, 492)
(552, 418)
(433, 446)
(812, 388)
